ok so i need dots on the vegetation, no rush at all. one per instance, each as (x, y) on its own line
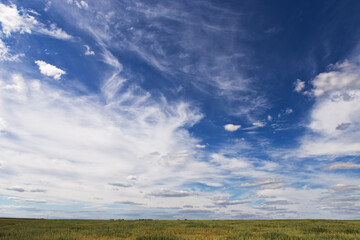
(40, 229)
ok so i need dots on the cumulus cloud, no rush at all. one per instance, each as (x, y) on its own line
(49, 70)
(299, 85)
(231, 127)
(336, 109)
(342, 165)
(343, 75)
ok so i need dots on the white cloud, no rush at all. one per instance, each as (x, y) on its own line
(2, 125)
(5, 54)
(217, 69)
(49, 70)
(260, 182)
(289, 111)
(344, 76)
(171, 194)
(200, 146)
(299, 85)
(47, 6)
(12, 20)
(231, 127)
(104, 144)
(80, 4)
(88, 50)
(345, 188)
(334, 119)
(259, 124)
(269, 118)
(132, 178)
(113, 84)
(84, 4)
(342, 165)
(54, 31)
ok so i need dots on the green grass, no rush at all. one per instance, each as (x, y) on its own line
(41, 229)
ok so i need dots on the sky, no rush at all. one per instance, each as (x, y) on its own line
(196, 109)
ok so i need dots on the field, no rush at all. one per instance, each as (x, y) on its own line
(39, 229)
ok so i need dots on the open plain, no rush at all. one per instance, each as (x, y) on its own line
(41, 229)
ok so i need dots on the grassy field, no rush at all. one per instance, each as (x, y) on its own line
(24, 229)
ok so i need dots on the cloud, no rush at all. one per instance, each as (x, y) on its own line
(343, 75)
(5, 54)
(2, 124)
(54, 31)
(289, 111)
(88, 50)
(224, 202)
(259, 124)
(79, 3)
(122, 185)
(38, 190)
(261, 182)
(12, 20)
(131, 177)
(16, 189)
(299, 85)
(336, 109)
(345, 188)
(106, 143)
(219, 72)
(269, 118)
(231, 127)
(128, 203)
(200, 146)
(278, 202)
(175, 159)
(49, 70)
(172, 194)
(342, 165)
(343, 126)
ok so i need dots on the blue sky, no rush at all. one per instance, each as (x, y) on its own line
(180, 109)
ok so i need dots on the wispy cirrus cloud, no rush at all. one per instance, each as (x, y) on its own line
(213, 67)
(6, 55)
